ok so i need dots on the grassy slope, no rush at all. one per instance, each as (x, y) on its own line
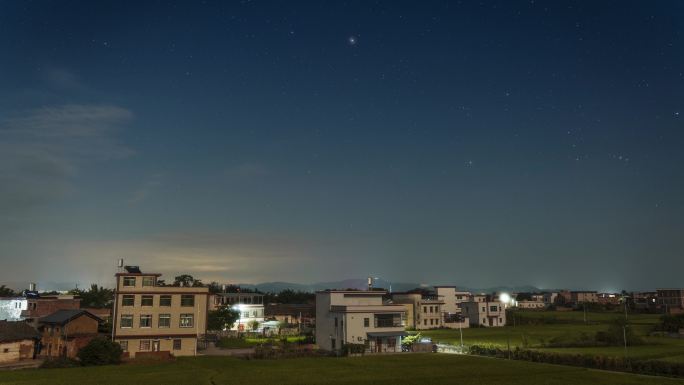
(569, 324)
(404, 369)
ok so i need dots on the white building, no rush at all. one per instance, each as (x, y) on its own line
(531, 305)
(485, 313)
(250, 306)
(11, 308)
(358, 317)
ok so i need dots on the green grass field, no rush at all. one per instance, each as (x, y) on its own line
(402, 369)
(568, 325)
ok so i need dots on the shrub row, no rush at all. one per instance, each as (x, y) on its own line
(650, 367)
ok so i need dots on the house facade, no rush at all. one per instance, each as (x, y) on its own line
(578, 297)
(39, 306)
(149, 318)
(422, 311)
(358, 317)
(11, 308)
(670, 300)
(250, 306)
(485, 313)
(533, 305)
(65, 332)
(17, 341)
(452, 298)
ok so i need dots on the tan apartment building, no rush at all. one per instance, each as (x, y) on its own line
(485, 313)
(151, 318)
(422, 311)
(358, 317)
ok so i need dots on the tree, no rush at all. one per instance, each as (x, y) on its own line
(222, 318)
(253, 325)
(100, 351)
(7, 292)
(187, 280)
(97, 296)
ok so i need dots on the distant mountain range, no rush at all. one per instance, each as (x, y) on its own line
(359, 283)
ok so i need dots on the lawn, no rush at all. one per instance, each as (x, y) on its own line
(403, 369)
(568, 325)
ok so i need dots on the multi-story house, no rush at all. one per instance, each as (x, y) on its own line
(422, 311)
(152, 318)
(65, 332)
(485, 313)
(358, 317)
(452, 298)
(550, 298)
(250, 306)
(671, 300)
(578, 297)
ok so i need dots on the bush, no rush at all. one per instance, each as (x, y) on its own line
(100, 351)
(348, 349)
(61, 362)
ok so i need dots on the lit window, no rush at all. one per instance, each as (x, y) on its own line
(186, 320)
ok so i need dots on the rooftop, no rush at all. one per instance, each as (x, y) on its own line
(16, 331)
(61, 317)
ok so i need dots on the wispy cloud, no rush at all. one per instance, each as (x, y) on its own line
(64, 80)
(147, 188)
(41, 150)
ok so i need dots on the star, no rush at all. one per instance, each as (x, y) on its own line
(351, 40)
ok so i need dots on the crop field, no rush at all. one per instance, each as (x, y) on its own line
(568, 325)
(403, 369)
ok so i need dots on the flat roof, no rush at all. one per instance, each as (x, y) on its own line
(138, 274)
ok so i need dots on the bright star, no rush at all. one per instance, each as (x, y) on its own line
(352, 40)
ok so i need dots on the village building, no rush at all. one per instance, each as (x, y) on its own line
(65, 332)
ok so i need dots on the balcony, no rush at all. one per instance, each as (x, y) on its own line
(388, 321)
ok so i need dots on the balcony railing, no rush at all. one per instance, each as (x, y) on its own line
(388, 323)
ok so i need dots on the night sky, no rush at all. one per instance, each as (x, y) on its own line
(466, 143)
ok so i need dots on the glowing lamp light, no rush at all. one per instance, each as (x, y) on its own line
(505, 298)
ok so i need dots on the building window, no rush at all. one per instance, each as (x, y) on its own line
(424, 309)
(128, 300)
(124, 345)
(500, 320)
(366, 322)
(164, 320)
(145, 345)
(126, 320)
(484, 309)
(425, 322)
(245, 314)
(147, 300)
(187, 300)
(145, 320)
(186, 320)
(335, 321)
(177, 344)
(164, 300)
(148, 281)
(493, 308)
(5, 350)
(332, 343)
(129, 281)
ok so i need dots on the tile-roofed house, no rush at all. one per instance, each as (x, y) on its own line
(66, 331)
(17, 341)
